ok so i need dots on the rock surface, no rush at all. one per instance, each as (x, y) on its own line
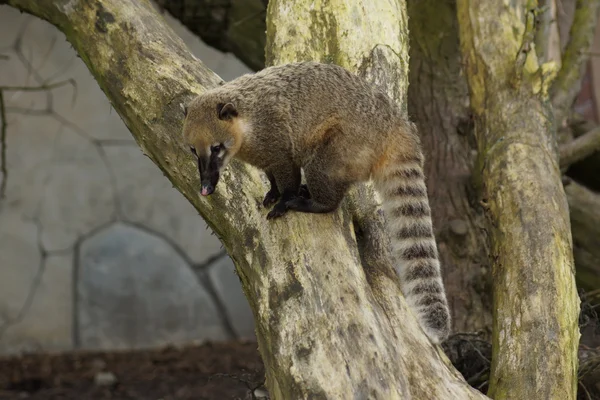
(229, 289)
(97, 250)
(136, 291)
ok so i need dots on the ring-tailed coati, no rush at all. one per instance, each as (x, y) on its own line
(340, 130)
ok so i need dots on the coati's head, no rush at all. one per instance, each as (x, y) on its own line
(214, 132)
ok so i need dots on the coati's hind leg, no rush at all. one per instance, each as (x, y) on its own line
(326, 194)
(287, 179)
(273, 194)
(304, 192)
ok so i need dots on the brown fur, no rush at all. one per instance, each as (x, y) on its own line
(340, 130)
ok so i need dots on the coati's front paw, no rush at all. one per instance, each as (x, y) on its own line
(279, 210)
(270, 198)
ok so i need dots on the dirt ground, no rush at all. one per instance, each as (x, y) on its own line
(212, 371)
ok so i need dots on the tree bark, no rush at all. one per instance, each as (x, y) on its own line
(327, 327)
(438, 102)
(535, 332)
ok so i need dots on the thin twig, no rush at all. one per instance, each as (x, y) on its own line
(589, 396)
(580, 148)
(591, 293)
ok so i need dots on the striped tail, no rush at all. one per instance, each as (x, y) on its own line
(414, 251)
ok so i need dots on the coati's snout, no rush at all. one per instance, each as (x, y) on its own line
(209, 167)
(209, 177)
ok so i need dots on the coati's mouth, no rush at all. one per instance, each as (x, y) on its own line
(207, 188)
(208, 182)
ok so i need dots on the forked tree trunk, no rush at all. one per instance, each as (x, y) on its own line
(330, 320)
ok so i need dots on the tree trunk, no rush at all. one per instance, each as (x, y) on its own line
(327, 327)
(535, 332)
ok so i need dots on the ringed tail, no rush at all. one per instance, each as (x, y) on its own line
(408, 216)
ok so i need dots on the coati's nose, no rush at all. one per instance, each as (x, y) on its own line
(207, 189)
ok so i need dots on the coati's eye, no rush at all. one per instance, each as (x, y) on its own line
(193, 150)
(216, 148)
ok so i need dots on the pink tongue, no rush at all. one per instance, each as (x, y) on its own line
(204, 192)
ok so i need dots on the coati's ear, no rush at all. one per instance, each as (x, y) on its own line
(226, 111)
(184, 109)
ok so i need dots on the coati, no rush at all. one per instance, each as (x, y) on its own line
(340, 130)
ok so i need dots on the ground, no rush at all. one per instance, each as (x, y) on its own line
(213, 371)
(210, 371)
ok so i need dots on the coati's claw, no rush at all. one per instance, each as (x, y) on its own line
(270, 199)
(277, 211)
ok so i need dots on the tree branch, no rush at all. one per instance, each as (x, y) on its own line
(585, 220)
(567, 84)
(536, 307)
(547, 38)
(326, 326)
(580, 148)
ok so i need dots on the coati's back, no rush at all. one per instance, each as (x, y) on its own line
(308, 95)
(340, 130)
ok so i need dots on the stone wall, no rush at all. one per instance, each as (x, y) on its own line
(97, 250)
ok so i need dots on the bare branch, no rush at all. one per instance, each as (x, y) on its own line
(580, 148)
(547, 39)
(585, 221)
(568, 81)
